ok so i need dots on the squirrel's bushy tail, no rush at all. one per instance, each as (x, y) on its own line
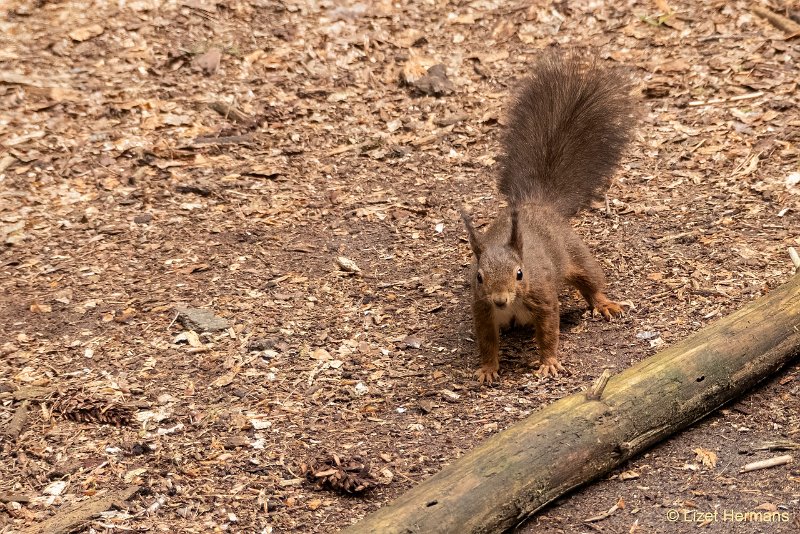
(566, 132)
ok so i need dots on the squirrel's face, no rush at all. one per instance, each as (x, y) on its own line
(498, 276)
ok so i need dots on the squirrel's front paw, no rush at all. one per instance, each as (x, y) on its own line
(550, 367)
(487, 373)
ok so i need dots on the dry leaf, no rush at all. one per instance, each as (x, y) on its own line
(677, 66)
(767, 506)
(663, 6)
(133, 474)
(41, 308)
(347, 265)
(493, 57)
(86, 32)
(63, 94)
(505, 29)
(209, 62)
(171, 119)
(125, 315)
(706, 457)
(267, 171)
(190, 337)
(64, 296)
(607, 513)
(55, 488)
(416, 67)
(466, 19)
(321, 354)
(408, 38)
(225, 379)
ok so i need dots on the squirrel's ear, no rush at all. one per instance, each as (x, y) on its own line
(474, 241)
(515, 241)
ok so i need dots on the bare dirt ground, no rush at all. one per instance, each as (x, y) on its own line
(222, 155)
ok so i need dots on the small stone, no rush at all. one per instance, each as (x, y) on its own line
(209, 62)
(435, 82)
(347, 265)
(450, 396)
(235, 442)
(139, 449)
(143, 218)
(55, 488)
(195, 189)
(412, 342)
(425, 406)
(257, 345)
(86, 32)
(646, 335)
(200, 319)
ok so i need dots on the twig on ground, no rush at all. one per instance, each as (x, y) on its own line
(778, 446)
(230, 111)
(13, 497)
(17, 422)
(779, 21)
(766, 464)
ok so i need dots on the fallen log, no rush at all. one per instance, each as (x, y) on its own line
(575, 440)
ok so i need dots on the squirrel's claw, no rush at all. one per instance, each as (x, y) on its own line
(487, 374)
(550, 368)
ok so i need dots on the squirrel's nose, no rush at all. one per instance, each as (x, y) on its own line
(500, 302)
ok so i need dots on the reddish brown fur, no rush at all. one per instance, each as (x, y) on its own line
(566, 134)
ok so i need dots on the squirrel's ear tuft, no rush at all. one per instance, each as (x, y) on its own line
(515, 241)
(474, 241)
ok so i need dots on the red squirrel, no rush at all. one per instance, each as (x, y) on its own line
(567, 129)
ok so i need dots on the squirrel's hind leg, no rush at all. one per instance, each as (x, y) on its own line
(587, 277)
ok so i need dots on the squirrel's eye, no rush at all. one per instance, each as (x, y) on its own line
(480, 278)
(519, 274)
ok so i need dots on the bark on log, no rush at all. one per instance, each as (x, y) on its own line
(574, 440)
